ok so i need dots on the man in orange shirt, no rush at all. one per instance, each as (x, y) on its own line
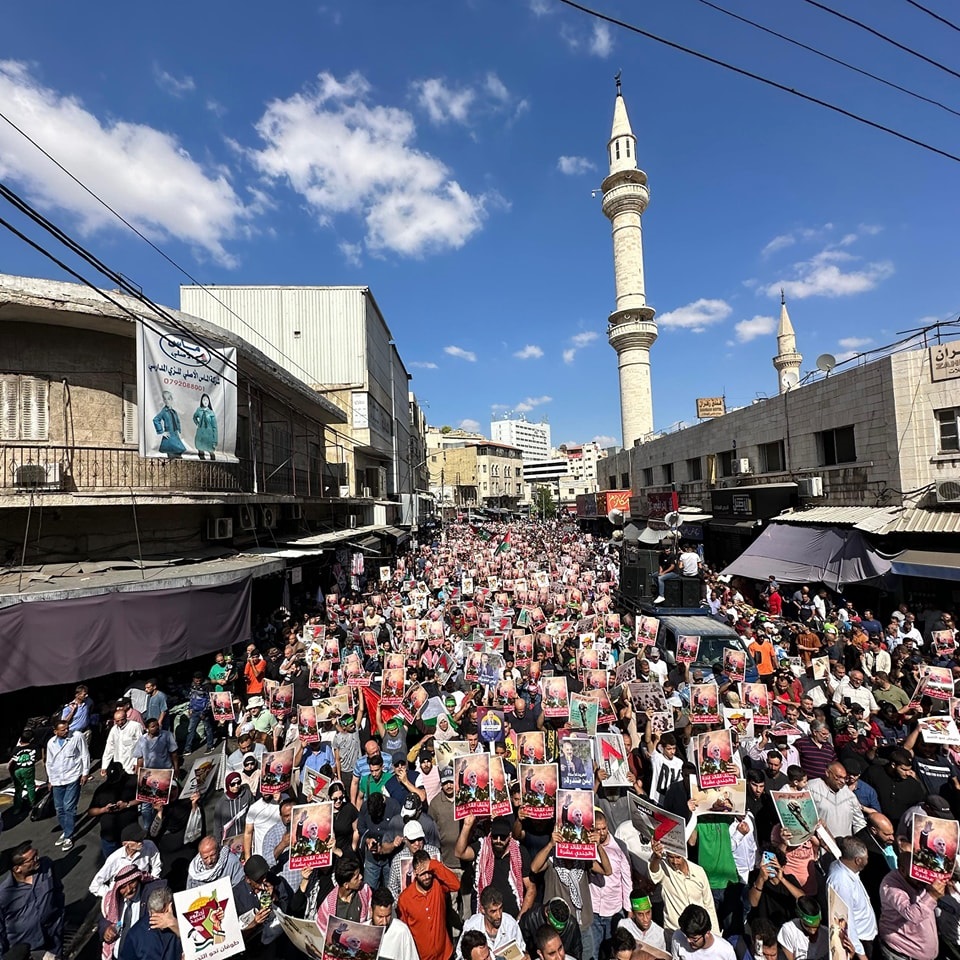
(423, 906)
(254, 671)
(765, 657)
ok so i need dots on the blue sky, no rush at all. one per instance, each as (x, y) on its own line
(444, 154)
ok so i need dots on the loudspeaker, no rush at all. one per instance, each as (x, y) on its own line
(684, 592)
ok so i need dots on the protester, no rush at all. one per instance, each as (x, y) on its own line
(68, 768)
(31, 900)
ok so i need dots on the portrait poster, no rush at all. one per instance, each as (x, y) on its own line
(756, 697)
(523, 650)
(729, 800)
(943, 642)
(939, 729)
(307, 724)
(320, 674)
(556, 702)
(393, 684)
(939, 682)
(688, 648)
(279, 699)
(652, 823)
(505, 694)
(186, 395)
(352, 671)
(413, 702)
(303, 934)
(588, 657)
(933, 848)
(539, 783)
(714, 750)
(490, 724)
(734, 663)
(647, 696)
(314, 784)
(385, 573)
(154, 784)
(348, 940)
(311, 836)
(575, 763)
(797, 813)
(202, 776)
(221, 706)
(605, 710)
(369, 640)
(331, 648)
(500, 804)
(276, 771)
(611, 756)
(647, 629)
(595, 679)
(611, 626)
(584, 713)
(575, 823)
(471, 780)
(208, 922)
(531, 746)
(820, 667)
(704, 703)
(739, 719)
(838, 916)
(330, 708)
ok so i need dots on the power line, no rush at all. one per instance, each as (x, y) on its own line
(761, 79)
(884, 37)
(936, 16)
(827, 56)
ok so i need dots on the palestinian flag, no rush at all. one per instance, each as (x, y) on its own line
(481, 533)
(504, 545)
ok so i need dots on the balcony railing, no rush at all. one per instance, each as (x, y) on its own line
(58, 469)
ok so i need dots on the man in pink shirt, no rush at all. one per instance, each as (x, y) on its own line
(610, 895)
(908, 923)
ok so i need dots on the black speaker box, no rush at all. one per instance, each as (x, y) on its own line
(685, 592)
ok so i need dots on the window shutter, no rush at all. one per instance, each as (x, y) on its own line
(131, 426)
(34, 408)
(9, 407)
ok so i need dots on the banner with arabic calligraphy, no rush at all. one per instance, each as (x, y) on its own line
(186, 395)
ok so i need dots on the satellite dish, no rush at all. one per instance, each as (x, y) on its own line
(826, 362)
(615, 516)
(672, 519)
(789, 379)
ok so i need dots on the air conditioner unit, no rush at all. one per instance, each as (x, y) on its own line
(220, 528)
(345, 491)
(38, 475)
(246, 518)
(947, 491)
(741, 467)
(810, 486)
(268, 517)
(352, 521)
(295, 511)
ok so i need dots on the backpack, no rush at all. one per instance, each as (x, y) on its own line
(199, 701)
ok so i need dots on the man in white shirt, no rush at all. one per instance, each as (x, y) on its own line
(689, 562)
(397, 942)
(666, 766)
(851, 690)
(696, 939)
(68, 768)
(836, 803)
(121, 742)
(261, 816)
(498, 927)
(844, 880)
(134, 850)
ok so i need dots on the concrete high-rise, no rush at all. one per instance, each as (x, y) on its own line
(631, 329)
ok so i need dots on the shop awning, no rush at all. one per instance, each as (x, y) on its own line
(867, 519)
(733, 526)
(934, 564)
(801, 554)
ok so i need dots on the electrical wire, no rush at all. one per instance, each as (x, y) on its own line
(827, 56)
(884, 37)
(673, 45)
(936, 16)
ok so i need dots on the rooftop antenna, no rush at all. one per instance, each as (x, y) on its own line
(616, 80)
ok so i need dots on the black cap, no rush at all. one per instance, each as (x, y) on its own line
(256, 868)
(132, 833)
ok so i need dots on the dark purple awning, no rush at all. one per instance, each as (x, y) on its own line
(45, 642)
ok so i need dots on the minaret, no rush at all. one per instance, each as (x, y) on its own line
(787, 361)
(631, 329)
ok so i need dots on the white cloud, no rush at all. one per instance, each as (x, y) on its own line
(460, 353)
(352, 252)
(574, 166)
(499, 407)
(696, 316)
(497, 88)
(603, 440)
(568, 355)
(423, 364)
(525, 406)
(344, 155)
(601, 40)
(579, 340)
(852, 343)
(471, 426)
(820, 276)
(143, 173)
(530, 352)
(444, 103)
(539, 8)
(759, 326)
(175, 86)
(780, 242)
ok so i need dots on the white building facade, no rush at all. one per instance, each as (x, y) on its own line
(532, 438)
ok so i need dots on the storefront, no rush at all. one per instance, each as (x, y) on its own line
(739, 514)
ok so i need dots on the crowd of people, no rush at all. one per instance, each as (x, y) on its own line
(841, 754)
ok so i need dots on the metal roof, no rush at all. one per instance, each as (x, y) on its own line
(919, 520)
(867, 519)
(698, 626)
